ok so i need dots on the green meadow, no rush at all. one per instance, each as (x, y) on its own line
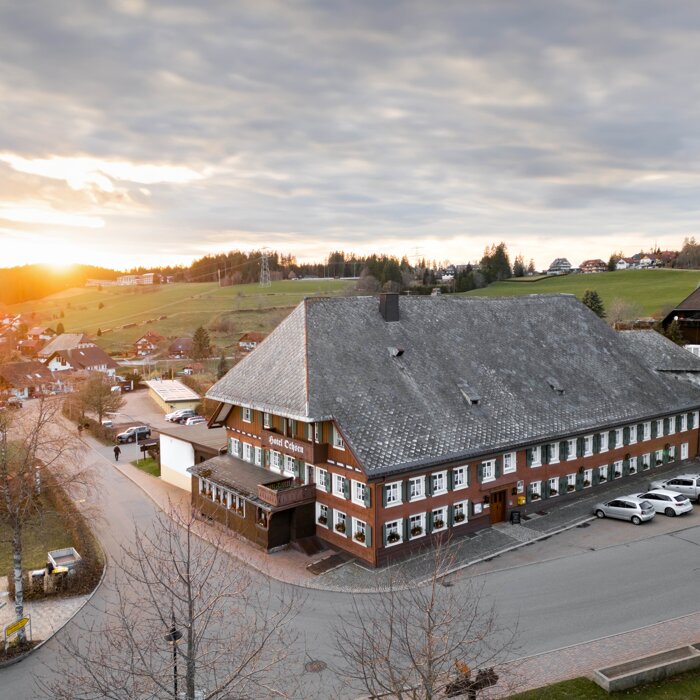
(655, 291)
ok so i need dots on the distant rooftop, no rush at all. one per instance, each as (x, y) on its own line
(170, 390)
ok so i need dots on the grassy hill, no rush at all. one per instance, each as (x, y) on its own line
(176, 309)
(654, 291)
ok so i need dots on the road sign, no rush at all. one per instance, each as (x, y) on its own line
(16, 626)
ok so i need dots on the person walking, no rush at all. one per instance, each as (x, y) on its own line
(117, 452)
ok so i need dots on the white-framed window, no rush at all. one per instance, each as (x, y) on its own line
(604, 441)
(536, 489)
(603, 473)
(439, 519)
(571, 482)
(275, 461)
(321, 476)
(646, 460)
(392, 493)
(359, 531)
(536, 453)
(633, 434)
(239, 502)
(291, 427)
(671, 425)
(340, 522)
(684, 450)
(309, 431)
(247, 415)
(571, 450)
(318, 432)
(416, 525)
(633, 465)
(659, 427)
(646, 431)
(696, 418)
(684, 422)
(659, 454)
(587, 445)
(247, 452)
(339, 485)
(438, 483)
(554, 486)
(617, 469)
(416, 488)
(553, 452)
(359, 492)
(258, 456)
(322, 514)
(488, 470)
(267, 420)
(671, 453)
(587, 478)
(289, 465)
(394, 532)
(460, 477)
(618, 437)
(509, 464)
(338, 441)
(235, 447)
(460, 512)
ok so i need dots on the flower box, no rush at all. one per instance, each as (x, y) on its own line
(570, 487)
(360, 536)
(393, 537)
(323, 520)
(340, 527)
(535, 496)
(415, 531)
(553, 492)
(459, 517)
(586, 483)
(618, 475)
(438, 524)
(659, 462)
(633, 470)
(602, 479)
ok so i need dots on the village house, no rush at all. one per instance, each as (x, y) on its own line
(26, 379)
(593, 266)
(249, 341)
(687, 314)
(181, 347)
(42, 333)
(378, 426)
(147, 343)
(65, 341)
(89, 359)
(559, 266)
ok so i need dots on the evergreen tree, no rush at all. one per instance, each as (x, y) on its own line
(495, 265)
(222, 367)
(519, 267)
(201, 344)
(531, 267)
(59, 329)
(592, 300)
(673, 332)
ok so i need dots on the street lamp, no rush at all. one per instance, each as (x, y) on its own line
(173, 637)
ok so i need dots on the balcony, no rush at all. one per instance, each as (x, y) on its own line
(284, 494)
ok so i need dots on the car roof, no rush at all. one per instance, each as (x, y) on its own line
(683, 476)
(664, 492)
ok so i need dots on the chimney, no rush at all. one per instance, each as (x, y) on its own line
(389, 306)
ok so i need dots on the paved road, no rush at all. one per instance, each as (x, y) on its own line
(573, 598)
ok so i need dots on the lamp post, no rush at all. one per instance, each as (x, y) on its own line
(173, 637)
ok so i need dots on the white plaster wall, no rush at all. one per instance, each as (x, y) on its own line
(175, 457)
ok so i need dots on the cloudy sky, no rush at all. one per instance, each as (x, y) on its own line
(146, 132)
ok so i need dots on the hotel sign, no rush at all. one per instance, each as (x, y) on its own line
(300, 449)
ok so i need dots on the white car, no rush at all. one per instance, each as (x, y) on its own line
(687, 484)
(195, 420)
(181, 413)
(667, 502)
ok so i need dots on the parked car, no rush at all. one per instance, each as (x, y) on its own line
(625, 508)
(183, 419)
(687, 484)
(133, 433)
(180, 413)
(669, 503)
(14, 402)
(195, 420)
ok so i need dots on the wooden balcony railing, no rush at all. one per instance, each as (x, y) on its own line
(278, 497)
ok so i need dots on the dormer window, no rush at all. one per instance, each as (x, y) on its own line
(470, 394)
(555, 385)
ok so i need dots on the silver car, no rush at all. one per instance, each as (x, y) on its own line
(625, 508)
(667, 502)
(687, 484)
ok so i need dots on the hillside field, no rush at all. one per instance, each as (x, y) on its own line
(654, 291)
(232, 310)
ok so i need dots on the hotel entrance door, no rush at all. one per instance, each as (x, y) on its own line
(498, 506)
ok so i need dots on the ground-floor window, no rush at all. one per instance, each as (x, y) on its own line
(671, 453)
(439, 519)
(684, 450)
(340, 524)
(587, 478)
(240, 505)
(571, 482)
(262, 518)
(416, 525)
(553, 485)
(392, 532)
(322, 514)
(359, 531)
(258, 456)
(536, 490)
(646, 461)
(603, 473)
(659, 454)
(459, 512)
(617, 469)
(633, 465)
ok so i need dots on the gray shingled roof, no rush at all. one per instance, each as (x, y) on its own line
(659, 352)
(331, 358)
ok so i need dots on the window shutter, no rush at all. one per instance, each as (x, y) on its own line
(640, 432)
(368, 496)
(368, 536)
(544, 454)
(654, 431)
(678, 424)
(563, 450)
(691, 421)
(329, 516)
(404, 491)
(596, 478)
(579, 447)
(346, 488)
(625, 467)
(579, 480)
(545, 488)
(666, 426)
(596, 443)
(428, 522)
(450, 516)
(499, 467)
(450, 474)
(528, 456)
(467, 474)
(563, 484)
(611, 440)
(406, 529)
(428, 481)
(384, 496)
(327, 480)
(384, 535)
(480, 473)
(528, 493)
(625, 436)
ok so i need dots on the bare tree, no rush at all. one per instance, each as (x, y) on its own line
(418, 641)
(622, 311)
(181, 603)
(32, 443)
(96, 397)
